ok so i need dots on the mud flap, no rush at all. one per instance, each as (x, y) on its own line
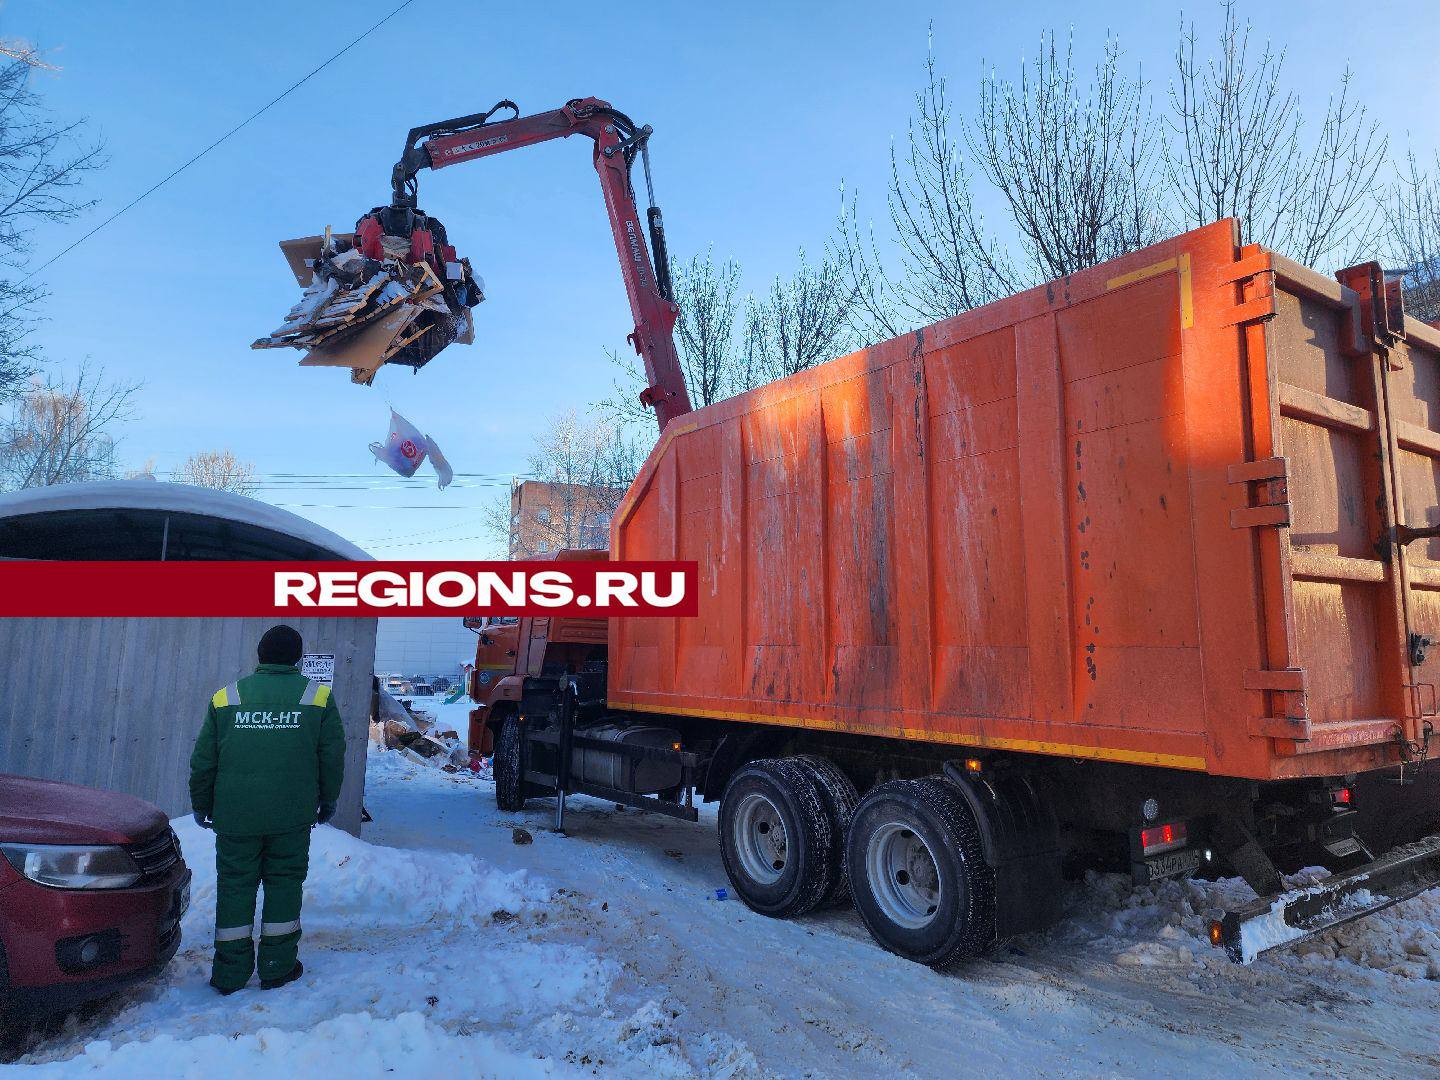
(1020, 838)
(1293, 915)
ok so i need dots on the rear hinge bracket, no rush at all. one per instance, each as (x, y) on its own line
(1259, 279)
(1247, 268)
(1272, 493)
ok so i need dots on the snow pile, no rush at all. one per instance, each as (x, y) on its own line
(417, 962)
(1403, 940)
(354, 885)
(649, 1042)
(369, 1047)
(625, 968)
(1166, 924)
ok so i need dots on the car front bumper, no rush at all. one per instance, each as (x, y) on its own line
(35, 918)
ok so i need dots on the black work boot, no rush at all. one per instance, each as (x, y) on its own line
(275, 984)
(225, 991)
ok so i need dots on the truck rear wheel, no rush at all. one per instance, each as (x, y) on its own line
(775, 838)
(505, 766)
(918, 873)
(838, 793)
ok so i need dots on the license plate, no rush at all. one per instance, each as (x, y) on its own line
(1172, 864)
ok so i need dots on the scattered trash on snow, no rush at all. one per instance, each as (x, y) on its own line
(400, 726)
(521, 836)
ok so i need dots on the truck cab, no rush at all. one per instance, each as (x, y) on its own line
(496, 650)
(515, 654)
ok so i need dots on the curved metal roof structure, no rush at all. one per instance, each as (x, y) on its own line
(147, 519)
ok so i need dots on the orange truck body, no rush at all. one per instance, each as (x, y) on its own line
(1136, 515)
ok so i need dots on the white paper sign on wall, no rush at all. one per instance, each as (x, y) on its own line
(319, 666)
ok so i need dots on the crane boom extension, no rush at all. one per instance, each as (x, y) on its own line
(617, 142)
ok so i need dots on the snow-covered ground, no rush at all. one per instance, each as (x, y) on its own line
(438, 945)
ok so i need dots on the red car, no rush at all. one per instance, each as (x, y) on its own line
(92, 888)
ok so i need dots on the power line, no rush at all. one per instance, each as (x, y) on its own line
(412, 535)
(386, 477)
(346, 476)
(374, 487)
(359, 506)
(427, 543)
(253, 116)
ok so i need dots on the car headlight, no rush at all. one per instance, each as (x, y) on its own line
(67, 867)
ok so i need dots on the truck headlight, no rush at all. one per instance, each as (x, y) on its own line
(73, 867)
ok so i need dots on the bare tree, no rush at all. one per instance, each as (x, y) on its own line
(705, 292)
(579, 471)
(60, 433)
(1237, 146)
(1412, 220)
(218, 469)
(1074, 163)
(1085, 173)
(947, 263)
(42, 162)
(803, 321)
(705, 332)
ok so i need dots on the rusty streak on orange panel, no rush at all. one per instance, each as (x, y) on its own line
(1016, 529)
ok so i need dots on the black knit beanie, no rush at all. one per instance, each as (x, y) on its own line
(280, 645)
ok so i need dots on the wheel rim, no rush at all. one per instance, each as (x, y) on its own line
(903, 876)
(760, 839)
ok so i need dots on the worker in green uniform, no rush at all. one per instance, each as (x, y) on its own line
(266, 769)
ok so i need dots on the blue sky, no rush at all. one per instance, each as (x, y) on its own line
(759, 110)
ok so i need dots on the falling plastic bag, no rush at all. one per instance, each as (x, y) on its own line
(443, 473)
(405, 449)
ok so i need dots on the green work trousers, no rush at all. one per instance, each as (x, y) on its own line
(280, 860)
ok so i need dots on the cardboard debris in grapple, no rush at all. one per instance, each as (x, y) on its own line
(364, 313)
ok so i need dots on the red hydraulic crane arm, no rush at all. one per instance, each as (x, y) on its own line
(617, 143)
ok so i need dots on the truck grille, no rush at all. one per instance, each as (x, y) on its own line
(157, 855)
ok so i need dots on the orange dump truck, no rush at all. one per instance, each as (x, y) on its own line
(1138, 569)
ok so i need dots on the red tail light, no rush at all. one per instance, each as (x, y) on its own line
(1160, 838)
(1342, 796)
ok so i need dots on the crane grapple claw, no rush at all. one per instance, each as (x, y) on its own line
(392, 292)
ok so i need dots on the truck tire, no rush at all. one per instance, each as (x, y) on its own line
(838, 793)
(775, 838)
(920, 881)
(505, 766)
